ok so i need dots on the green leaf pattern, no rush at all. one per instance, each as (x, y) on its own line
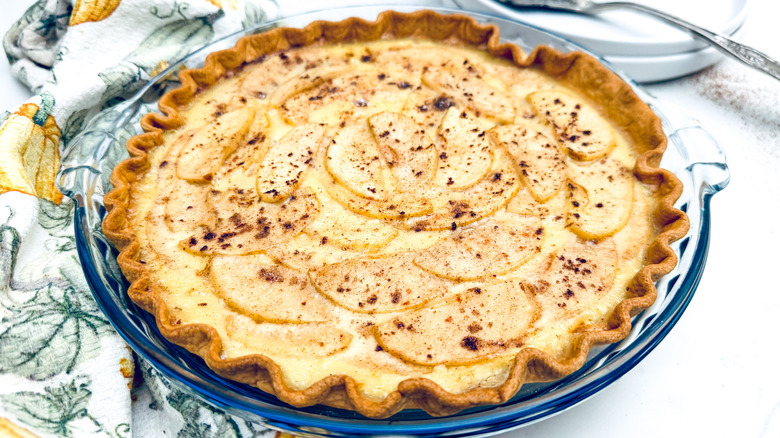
(9, 246)
(74, 125)
(253, 14)
(200, 419)
(51, 333)
(167, 43)
(50, 325)
(60, 410)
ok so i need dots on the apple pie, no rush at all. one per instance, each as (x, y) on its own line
(406, 213)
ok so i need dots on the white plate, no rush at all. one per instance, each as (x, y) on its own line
(661, 68)
(625, 33)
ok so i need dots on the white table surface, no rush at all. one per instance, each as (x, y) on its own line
(716, 373)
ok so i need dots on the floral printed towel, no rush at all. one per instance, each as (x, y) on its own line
(64, 372)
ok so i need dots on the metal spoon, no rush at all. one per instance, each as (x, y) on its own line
(747, 55)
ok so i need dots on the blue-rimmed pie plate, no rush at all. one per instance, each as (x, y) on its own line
(693, 156)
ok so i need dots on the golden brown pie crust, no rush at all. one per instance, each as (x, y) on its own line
(580, 71)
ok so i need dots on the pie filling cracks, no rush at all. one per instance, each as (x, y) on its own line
(419, 220)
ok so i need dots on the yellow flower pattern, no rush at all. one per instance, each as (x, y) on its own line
(92, 10)
(29, 154)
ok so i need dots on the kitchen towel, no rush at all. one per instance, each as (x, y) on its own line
(64, 371)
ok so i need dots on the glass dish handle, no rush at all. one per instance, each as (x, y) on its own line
(90, 157)
(701, 153)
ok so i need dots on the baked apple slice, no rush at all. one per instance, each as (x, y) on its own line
(353, 158)
(474, 326)
(577, 277)
(303, 252)
(492, 246)
(452, 209)
(581, 130)
(349, 231)
(204, 151)
(350, 96)
(246, 225)
(524, 203)
(308, 79)
(379, 284)
(256, 287)
(465, 152)
(310, 340)
(278, 69)
(538, 158)
(408, 59)
(397, 207)
(283, 166)
(185, 205)
(427, 108)
(184, 202)
(408, 151)
(469, 90)
(601, 194)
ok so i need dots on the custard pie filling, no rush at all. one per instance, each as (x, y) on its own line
(391, 210)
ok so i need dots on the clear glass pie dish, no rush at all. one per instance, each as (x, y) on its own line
(693, 155)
